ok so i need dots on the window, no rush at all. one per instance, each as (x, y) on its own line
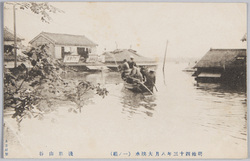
(83, 52)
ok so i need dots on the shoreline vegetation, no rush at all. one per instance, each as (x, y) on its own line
(31, 92)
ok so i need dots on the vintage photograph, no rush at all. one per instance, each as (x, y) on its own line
(125, 80)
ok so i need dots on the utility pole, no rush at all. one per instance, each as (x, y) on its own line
(15, 39)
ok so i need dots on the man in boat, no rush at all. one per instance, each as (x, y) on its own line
(125, 69)
(136, 74)
(131, 62)
(149, 78)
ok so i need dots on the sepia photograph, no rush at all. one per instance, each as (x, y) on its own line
(133, 80)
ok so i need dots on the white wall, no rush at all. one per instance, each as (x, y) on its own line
(41, 41)
(93, 50)
(58, 52)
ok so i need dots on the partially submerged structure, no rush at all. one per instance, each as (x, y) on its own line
(222, 65)
(8, 40)
(9, 56)
(116, 57)
(61, 45)
(74, 50)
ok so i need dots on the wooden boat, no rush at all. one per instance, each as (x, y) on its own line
(137, 87)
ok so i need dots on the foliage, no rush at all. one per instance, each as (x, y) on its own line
(30, 90)
(40, 8)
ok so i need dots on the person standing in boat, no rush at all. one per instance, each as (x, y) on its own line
(150, 83)
(125, 69)
(149, 78)
(135, 73)
(131, 62)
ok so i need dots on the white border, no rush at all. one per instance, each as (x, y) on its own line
(183, 1)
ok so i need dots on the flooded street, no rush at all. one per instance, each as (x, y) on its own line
(182, 116)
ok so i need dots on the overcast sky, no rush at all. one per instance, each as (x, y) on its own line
(190, 28)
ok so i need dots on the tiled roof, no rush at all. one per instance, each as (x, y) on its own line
(9, 35)
(66, 39)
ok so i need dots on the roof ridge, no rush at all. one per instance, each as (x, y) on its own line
(12, 32)
(62, 34)
(62, 38)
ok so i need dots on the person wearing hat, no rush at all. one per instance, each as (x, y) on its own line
(131, 63)
(150, 78)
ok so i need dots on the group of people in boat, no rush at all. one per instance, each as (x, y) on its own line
(131, 73)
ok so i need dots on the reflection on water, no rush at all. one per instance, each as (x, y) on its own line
(137, 103)
(227, 110)
(133, 103)
(219, 88)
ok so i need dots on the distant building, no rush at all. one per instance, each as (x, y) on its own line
(9, 56)
(61, 45)
(222, 65)
(8, 40)
(116, 57)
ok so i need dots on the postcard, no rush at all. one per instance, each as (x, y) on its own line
(125, 80)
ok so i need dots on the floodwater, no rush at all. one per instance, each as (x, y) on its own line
(182, 116)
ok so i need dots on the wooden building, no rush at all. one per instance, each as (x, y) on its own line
(9, 56)
(61, 45)
(222, 65)
(8, 40)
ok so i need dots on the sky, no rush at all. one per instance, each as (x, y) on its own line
(190, 29)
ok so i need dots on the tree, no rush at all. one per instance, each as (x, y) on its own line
(30, 90)
(40, 8)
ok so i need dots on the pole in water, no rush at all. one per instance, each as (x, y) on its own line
(163, 68)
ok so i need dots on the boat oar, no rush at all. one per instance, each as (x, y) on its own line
(143, 85)
(146, 88)
(155, 88)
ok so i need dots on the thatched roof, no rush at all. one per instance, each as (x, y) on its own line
(120, 54)
(222, 58)
(8, 35)
(66, 39)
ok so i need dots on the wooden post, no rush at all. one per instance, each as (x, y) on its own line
(163, 68)
(15, 38)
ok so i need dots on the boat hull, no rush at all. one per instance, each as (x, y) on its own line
(136, 87)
